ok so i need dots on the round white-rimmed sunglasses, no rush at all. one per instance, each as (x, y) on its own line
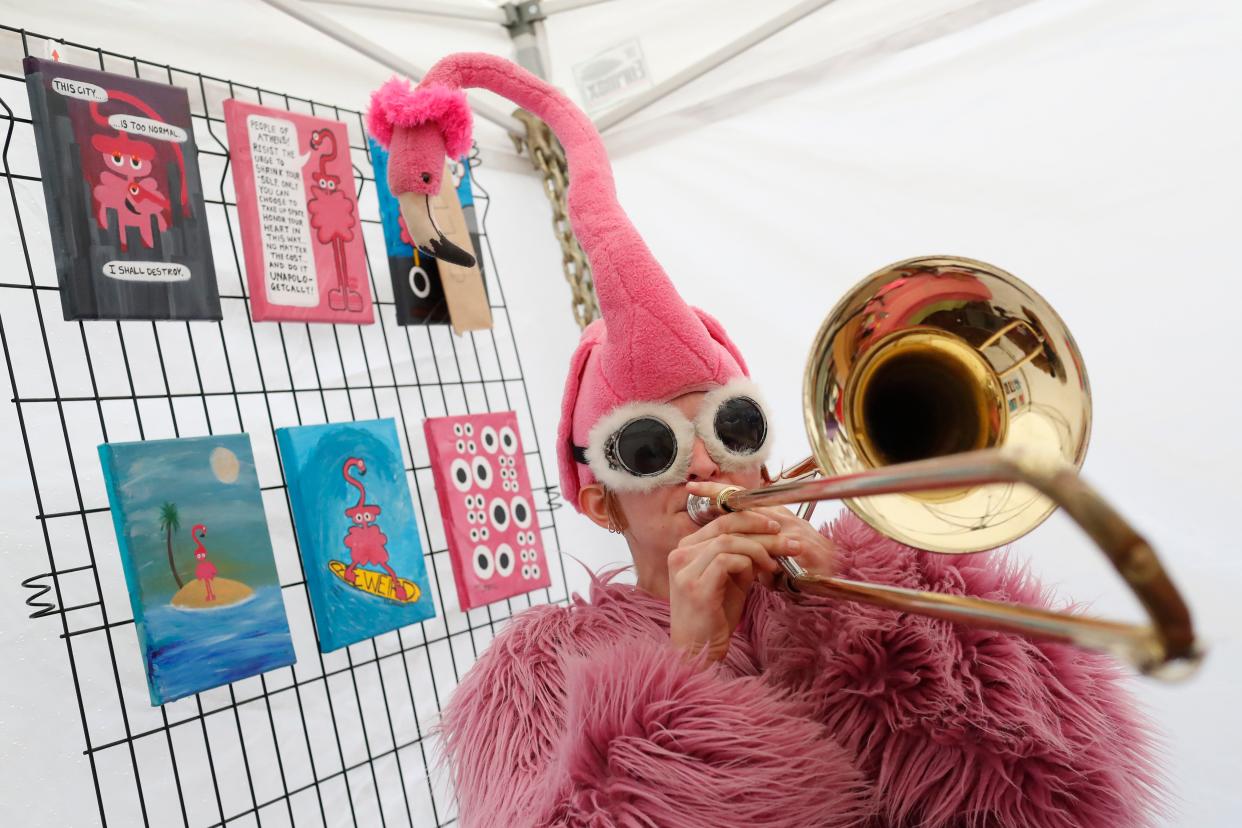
(641, 445)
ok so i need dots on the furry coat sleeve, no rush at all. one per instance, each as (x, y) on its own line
(954, 725)
(587, 716)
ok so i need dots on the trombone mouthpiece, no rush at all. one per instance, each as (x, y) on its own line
(703, 510)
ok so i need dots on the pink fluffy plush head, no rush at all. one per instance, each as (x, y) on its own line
(650, 346)
(419, 128)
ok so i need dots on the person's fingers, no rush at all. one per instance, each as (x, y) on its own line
(728, 566)
(735, 523)
(780, 514)
(703, 554)
(706, 488)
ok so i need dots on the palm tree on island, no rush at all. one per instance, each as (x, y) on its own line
(170, 521)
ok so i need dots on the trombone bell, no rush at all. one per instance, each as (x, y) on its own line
(937, 356)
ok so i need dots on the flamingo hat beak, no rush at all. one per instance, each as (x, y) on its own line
(650, 346)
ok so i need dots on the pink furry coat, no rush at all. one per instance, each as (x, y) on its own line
(822, 713)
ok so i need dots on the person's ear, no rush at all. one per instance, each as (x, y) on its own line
(593, 502)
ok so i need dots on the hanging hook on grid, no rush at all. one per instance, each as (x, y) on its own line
(36, 600)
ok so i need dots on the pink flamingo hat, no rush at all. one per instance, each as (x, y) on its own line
(650, 346)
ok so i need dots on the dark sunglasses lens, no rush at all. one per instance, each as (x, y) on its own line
(645, 447)
(741, 426)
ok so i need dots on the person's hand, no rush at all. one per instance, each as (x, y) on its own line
(800, 539)
(713, 569)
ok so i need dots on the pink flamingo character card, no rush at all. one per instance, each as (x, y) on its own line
(487, 506)
(298, 211)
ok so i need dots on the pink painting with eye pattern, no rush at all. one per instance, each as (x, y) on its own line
(486, 502)
(298, 210)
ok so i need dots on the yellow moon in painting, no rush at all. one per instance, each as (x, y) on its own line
(224, 465)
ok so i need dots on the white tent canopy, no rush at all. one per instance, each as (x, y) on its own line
(1089, 146)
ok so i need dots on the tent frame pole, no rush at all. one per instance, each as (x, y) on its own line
(327, 26)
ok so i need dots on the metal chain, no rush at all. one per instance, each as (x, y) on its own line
(548, 157)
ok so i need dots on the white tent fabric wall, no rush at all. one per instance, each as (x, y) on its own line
(1089, 146)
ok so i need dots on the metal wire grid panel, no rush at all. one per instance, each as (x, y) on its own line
(339, 738)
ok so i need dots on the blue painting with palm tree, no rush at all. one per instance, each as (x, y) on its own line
(198, 561)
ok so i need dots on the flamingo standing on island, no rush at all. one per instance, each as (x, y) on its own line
(206, 570)
(365, 541)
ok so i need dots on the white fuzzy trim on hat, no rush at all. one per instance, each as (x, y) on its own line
(618, 479)
(705, 423)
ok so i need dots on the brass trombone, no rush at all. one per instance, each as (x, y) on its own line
(948, 406)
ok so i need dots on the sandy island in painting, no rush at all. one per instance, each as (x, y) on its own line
(227, 593)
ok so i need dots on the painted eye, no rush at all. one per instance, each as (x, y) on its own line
(504, 560)
(331, 185)
(482, 472)
(469, 428)
(490, 441)
(366, 516)
(133, 189)
(460, 445)
(508, 440)
(470, 517)
(420, 282)
(534, 570)
(474, 535)
(117, 159)
(483, 533)
(526, 572)
(457, 430)
(460, 472)
(323, 182)
(484, 566)
(357, 518)
(521, 511)
(135, 161)
(470, 447)
(499, 513)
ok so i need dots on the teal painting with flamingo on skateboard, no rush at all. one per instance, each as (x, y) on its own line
(356, 529)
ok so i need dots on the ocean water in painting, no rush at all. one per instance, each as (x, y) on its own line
(356, 529)
(242, 641)
(198, 561)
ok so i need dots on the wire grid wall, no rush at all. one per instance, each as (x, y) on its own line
(338, 738)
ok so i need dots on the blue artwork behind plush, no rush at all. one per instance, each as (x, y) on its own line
(356, 529)
(198, 561)
(390, 210)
